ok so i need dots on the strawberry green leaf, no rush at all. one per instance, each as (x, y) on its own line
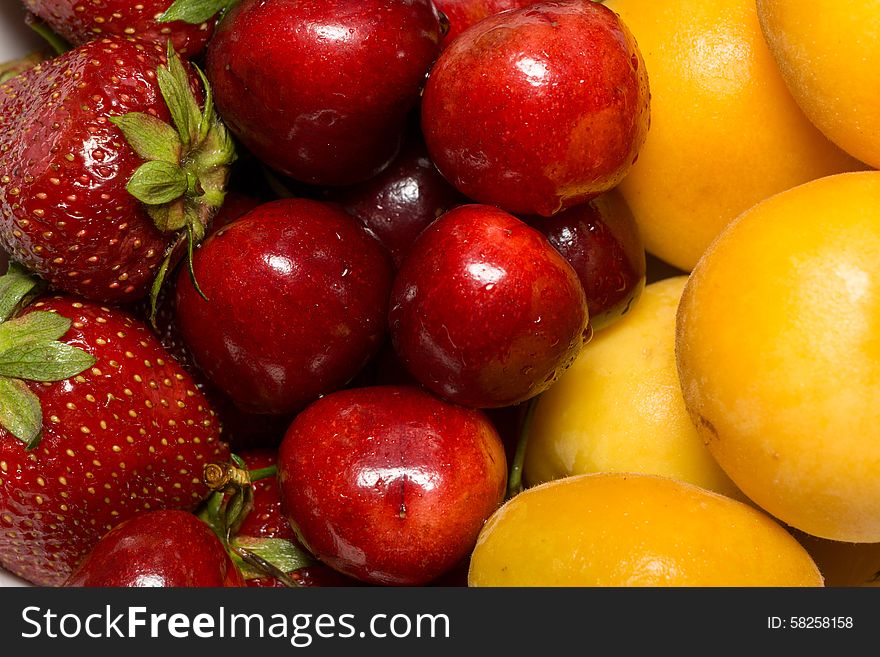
(174, 84)
(151, 138)
(38, 326)
(20, 412)
(15, 285)
(207, 120)
(157, 183)
(194, 11)
(170, 217)
(44, 361)
(285, 555)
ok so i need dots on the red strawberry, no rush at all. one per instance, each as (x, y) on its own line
(80, 453)
(95, 185)
(80, 21)
(158, 548)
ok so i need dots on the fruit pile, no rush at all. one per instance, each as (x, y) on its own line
(441, 292)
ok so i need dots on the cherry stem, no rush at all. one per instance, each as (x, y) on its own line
(220, 476)
(263, 473)
(514, 481)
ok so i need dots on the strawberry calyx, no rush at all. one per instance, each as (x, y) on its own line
(9, 69)
(228, 506)
(30, 350)
(182, 182)
(273, 557)
(194, 11)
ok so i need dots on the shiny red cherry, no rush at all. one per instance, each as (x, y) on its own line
(484, 311)
(538, 109)
(390, 484)
(166, 548)
(319, 90)
(297, 292)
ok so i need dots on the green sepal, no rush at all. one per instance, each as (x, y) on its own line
(169, 217)
(189, 262)
(211, 514)
(183, 182)
(44, 361)
(194, 12)
(207, 118)
(29, 349)
(151, 138)
(283, 554)
(20, 412)
(15, 287)
(158, 183)
(174, 85)
(38, 326)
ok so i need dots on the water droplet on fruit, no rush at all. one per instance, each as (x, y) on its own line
(528, 369)
(635, 62)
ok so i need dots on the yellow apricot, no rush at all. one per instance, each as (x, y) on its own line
(617, 529)
(725, 132)
(619, 407)
(829, 55)
(778, 353)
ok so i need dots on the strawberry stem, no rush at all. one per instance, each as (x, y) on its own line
(58, 45)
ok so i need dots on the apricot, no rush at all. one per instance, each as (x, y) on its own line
(778, 353)
(725, 132)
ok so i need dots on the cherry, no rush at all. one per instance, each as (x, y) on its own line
(399, 203)
(484, 311)
(600, 240)
(297, 292)
(538, 109)
(319, 90)
(162, 548)
(390, 484)
(461, 14)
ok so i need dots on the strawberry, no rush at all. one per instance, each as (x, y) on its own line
(97, 424)
(80, 21)
(95, 186)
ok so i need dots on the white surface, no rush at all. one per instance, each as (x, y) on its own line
(16, 39)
